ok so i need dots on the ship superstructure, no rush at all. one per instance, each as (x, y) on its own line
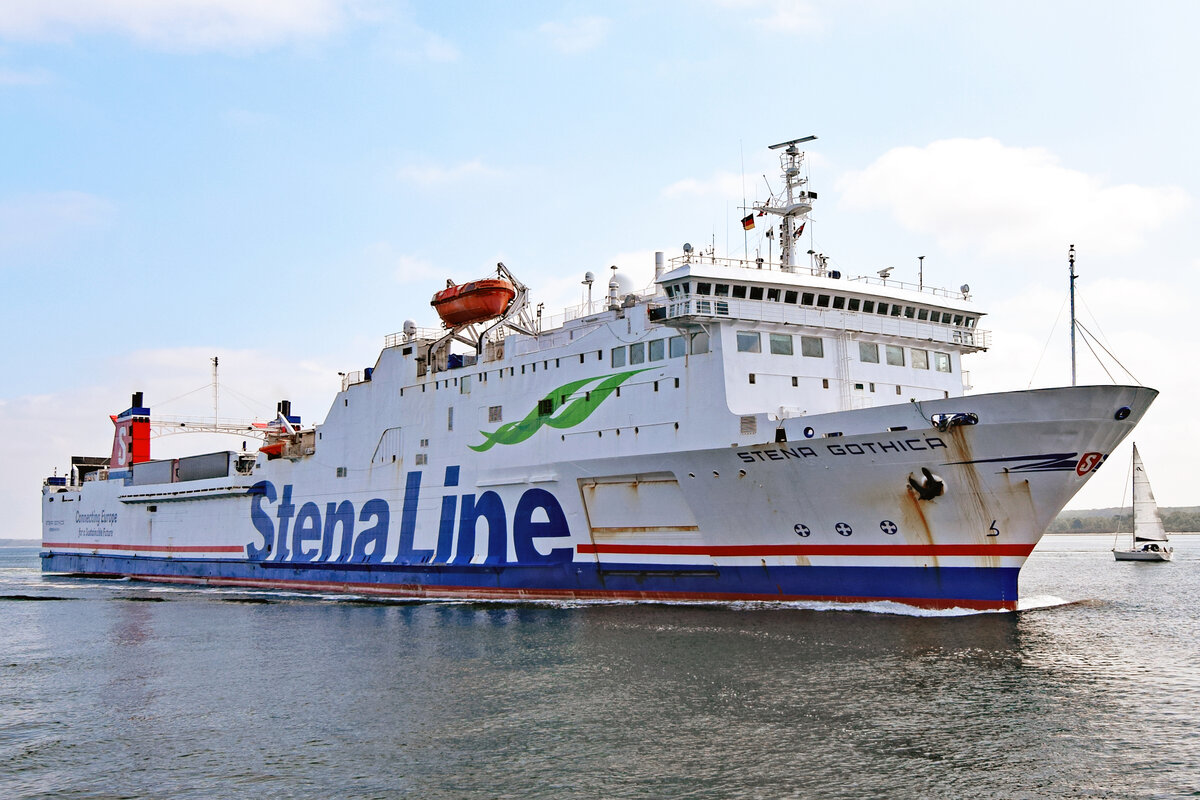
(745, 429)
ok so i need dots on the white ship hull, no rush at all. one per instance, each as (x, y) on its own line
(810, 518)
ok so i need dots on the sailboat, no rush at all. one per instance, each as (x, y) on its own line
(1149, 536)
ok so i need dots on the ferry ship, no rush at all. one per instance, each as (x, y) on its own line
(743, 430)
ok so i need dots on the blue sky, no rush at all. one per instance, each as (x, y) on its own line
(283, 184)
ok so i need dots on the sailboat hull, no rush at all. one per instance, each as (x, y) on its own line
(1143, 555)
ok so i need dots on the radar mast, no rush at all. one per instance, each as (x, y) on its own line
(796, 200)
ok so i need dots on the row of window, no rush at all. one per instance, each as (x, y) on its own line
(660, 349)
(868, 353)
(683, 290)
(781, 344)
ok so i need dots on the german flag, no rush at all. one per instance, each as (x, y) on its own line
(748, 222)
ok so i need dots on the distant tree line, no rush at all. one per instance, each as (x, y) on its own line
(1175, 520)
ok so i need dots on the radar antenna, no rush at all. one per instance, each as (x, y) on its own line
(797, 201)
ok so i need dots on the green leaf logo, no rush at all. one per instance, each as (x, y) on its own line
(562, 414)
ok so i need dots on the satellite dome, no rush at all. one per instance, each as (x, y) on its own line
(410, 328)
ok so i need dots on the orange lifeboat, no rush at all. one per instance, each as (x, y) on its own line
(474, 301)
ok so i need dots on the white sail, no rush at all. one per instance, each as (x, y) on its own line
(1147, 524)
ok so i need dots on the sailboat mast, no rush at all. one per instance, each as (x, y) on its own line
(1071, 259)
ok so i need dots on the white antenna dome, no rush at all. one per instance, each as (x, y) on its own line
(588, 277)
(410, 328)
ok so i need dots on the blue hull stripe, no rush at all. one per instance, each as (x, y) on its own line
(968, 587)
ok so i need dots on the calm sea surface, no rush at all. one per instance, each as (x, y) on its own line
(118, 689)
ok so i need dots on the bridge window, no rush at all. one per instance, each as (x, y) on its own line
(923, 314)
(909, 312)
(839, 302)
(756, 292)
(941, 362)
(773, 295)
(896, 310)
(790, 297)
(739, 292)
(868, 352)
(868, 306)
(822, 301)
(749, 342)
(958, 319)
(895, 355)
(882, 309)
(852, 304)
(703, 288)
(781, 344)
(812, 346)
(722, 290)
(920, 359)
(807, 298)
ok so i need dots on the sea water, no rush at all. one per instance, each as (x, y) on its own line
(121, 689)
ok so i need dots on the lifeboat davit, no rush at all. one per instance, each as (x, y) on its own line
(474, 301)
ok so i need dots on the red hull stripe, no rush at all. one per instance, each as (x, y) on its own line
(149, 548)
(811, 549)
(497, 593)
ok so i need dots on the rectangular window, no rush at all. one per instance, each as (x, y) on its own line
(450, 418)
(795, 381)
(807, 298)
(824, 383)
(868, 352)
(657, 350)
(958, 319)
(881, 309)
(618, 357)
(790, 297)
(895, 355)
(909, 312)
(896, 311)
(941, 362)
(637, 353)
(748, 342)
(494, 414)
(812, 346)
(722, 290)
(839, 302)
(897, 390)
(852, 305)
(822, 301)
(677, 347)
(773, 295)
(670, 291)
(920, 359)
(868, 306)
(464, 386)
(752, 377)
(739, 292)
(703, 288)
(781, 344)
(756, 292)
(935, 316)
(545, 406)
(923, 314)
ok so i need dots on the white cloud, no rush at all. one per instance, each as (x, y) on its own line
(435, 175)
(778, 16)
(578, 35)
(722, 185)
(177, 24)
(49, 217)
(12, 77)
(977, 194)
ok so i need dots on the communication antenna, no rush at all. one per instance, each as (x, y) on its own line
(1071, 261)
(216, 391)
(796, 203)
